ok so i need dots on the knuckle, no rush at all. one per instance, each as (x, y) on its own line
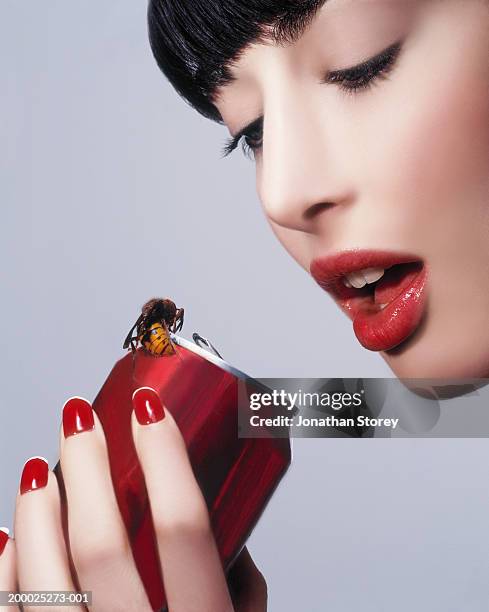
(90, 553)
(190, 522)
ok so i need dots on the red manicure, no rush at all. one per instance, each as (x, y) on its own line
(77, 416)
(34, 475)
(147, 406)
(3, 539)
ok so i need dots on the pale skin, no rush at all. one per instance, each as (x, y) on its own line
(403, 165)
(37, 559)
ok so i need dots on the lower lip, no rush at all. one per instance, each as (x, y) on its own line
(383, 329)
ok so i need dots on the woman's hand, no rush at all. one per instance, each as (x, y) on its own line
(98, 544)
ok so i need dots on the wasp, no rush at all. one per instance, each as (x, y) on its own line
(158, 318)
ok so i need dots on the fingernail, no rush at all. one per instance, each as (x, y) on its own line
(3, 538)
(77, 416)
(147, 406)
(34, 475)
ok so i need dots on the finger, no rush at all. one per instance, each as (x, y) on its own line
(98, 541)
(248, 585)
(192, 571)
(42, 560)
(8, 576)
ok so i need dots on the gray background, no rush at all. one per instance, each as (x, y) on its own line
(113, 191)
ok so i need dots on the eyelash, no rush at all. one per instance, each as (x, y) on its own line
(365, 75)
(350, 81)
(250, 138)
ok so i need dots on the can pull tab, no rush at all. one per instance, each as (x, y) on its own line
(200, 340)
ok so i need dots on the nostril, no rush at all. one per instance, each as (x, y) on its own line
(316, 209)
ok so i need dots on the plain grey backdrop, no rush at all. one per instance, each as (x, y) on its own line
(113, 191)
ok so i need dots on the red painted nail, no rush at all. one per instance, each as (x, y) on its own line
(3, 538)
(147, 406)
(77, 416)
(34, 475)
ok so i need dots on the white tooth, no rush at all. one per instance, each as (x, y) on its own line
(357, 279)
(360, 278)
(372, 275)
(382, 306)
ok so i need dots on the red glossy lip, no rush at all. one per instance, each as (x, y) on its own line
(402, 290)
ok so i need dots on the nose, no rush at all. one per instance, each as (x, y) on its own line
(300, 177)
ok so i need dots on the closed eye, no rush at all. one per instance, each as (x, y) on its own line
(350, 80)
(364, 75)
(252, 136)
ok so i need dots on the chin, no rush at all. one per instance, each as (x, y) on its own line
(442, 351)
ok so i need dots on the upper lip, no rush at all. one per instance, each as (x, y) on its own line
(328, 270)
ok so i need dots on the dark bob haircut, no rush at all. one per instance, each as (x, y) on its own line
(196, 41)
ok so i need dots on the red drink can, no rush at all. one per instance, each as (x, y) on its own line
(237, 475)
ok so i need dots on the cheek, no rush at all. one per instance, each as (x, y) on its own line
(432, 139)
(443, 164)
(439, 160)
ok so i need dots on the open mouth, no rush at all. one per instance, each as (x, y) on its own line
(382, 293)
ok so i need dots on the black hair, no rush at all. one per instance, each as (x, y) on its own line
(196, 41)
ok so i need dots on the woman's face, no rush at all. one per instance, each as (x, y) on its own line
(390, 158)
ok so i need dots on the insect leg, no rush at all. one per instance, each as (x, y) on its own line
(178, 323)
(128, 339)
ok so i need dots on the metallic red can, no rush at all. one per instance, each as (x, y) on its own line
(237, 475)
